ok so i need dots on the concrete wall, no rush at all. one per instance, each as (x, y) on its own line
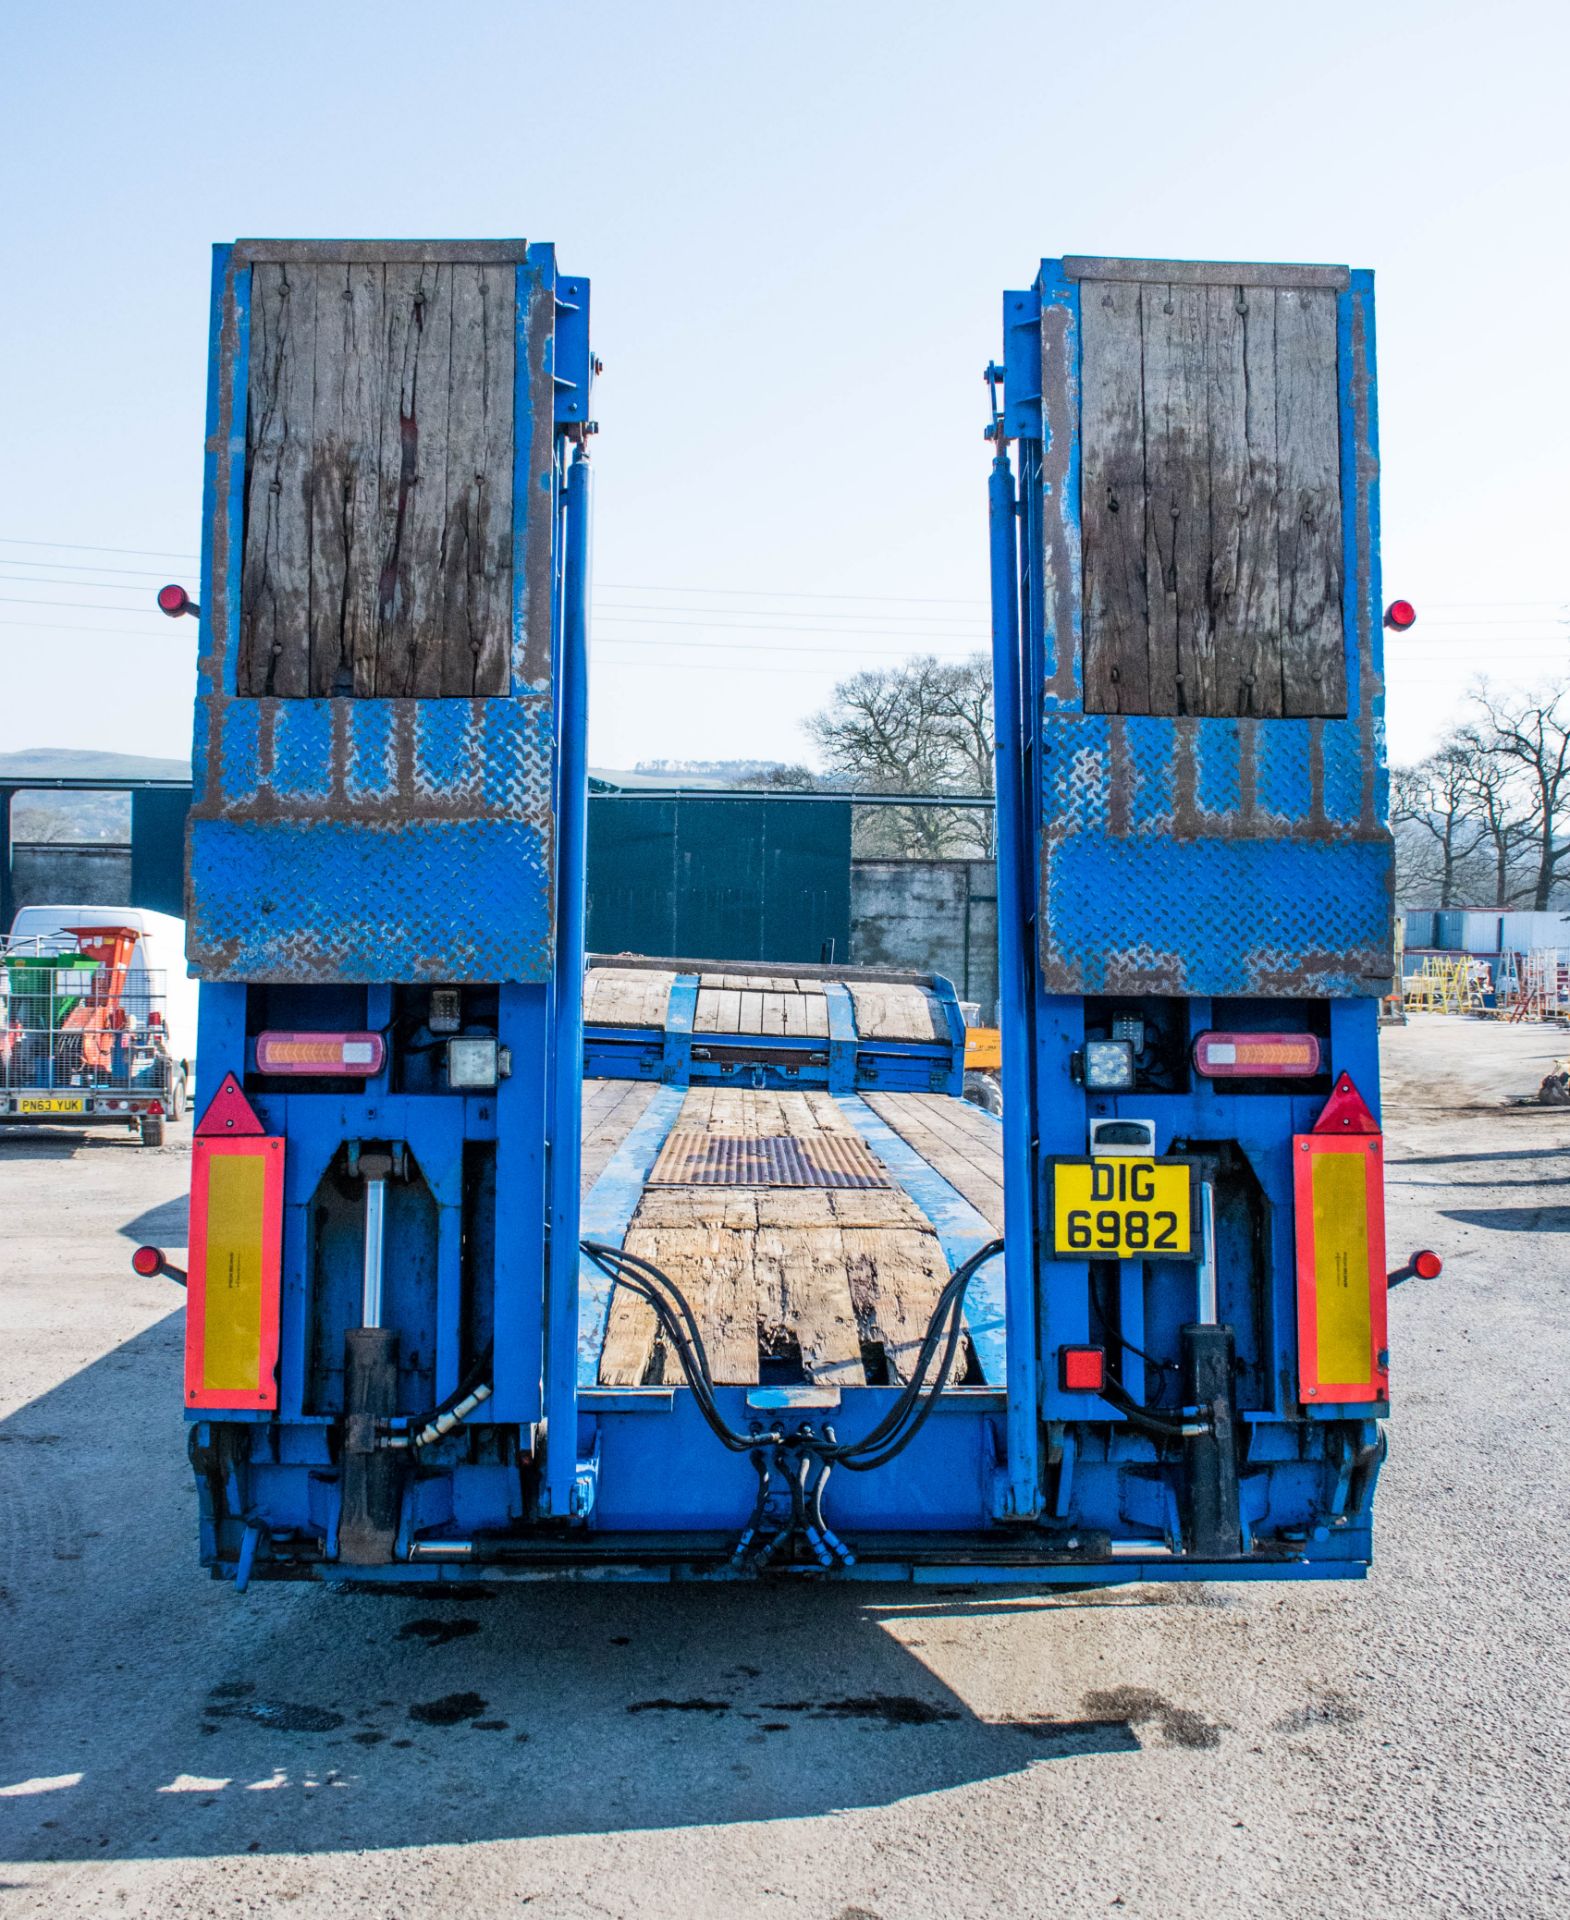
(934, 916)
(43, 872)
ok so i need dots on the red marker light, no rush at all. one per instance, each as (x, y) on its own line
(1256, 1056)
(1400, 615)
(147, 1261)
(356, 1054)
(173, 601)
(1427, 1265)
(1082, 1369)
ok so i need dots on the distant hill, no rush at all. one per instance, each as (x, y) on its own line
(86, 763)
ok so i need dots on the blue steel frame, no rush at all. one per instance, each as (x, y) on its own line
(843, 1063)
(1288, 835)
(369, 844)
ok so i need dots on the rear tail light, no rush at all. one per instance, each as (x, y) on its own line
(147, 1261)
(1256, 1056)
(355, 1054)
(1082, 1369)
(1427, 1265)
(1400, 615)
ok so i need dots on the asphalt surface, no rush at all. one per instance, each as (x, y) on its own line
(1394, 1747)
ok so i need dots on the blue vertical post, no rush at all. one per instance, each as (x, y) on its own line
(561, 1316)
(1023, 1496)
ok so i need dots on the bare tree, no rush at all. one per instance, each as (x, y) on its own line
(924, 726)
(1432, 806)
(1529, 735)
(1494, 788)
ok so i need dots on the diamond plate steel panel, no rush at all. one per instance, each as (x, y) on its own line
(694, 1158)
(436, 900)
(1211, 857)
(376, 840)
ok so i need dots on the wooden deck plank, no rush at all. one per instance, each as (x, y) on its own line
(712, 1264)
(608, 1120)
(901, 1012)
(896, 1275)
(974, 1168)
(804, 1286)
(626, 996)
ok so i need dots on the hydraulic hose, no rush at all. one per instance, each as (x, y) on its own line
(893, 1433)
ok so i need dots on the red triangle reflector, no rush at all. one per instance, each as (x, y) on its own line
(229, 1115)
(1345, 1112)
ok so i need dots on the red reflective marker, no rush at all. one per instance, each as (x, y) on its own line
(147, 1261)
(173, 600)
(1400, 615)
(1427, 1265)
(1082, 1369)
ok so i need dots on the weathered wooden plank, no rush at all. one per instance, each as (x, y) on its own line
(816, 1015)
(1112, 502)
(896, 1275)
(376, 252)
(749, 1014)
(1308, 437)
(803, 1287)
(1177, 516)
(774, 1012)
(275, 588)
(713, 1267)
(613, 997)
(885, 1012)
(350, 349)
(1205, 273)
(608, 1118)
(1245, 601)
(414, 480)
(962, 1161)
(476, 623)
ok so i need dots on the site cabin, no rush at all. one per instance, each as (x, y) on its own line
(505, 1261)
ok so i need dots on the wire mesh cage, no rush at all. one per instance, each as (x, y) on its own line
(81, 1024)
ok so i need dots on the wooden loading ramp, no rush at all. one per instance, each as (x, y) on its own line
(812, 1237)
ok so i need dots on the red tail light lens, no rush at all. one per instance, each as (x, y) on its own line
(1427, 1264)
(352, 1054)
(173, 601)
(1256, 1056)
(147, 1261)
(1400, 615)
(1082, 1369)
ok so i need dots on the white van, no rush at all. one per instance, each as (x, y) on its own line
(97, 1018)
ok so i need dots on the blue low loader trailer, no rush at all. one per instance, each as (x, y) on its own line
(509, 1261)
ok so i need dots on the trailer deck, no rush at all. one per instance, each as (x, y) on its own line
(811, 1233)
(811, 1220)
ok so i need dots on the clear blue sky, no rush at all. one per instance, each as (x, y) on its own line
(797, 220)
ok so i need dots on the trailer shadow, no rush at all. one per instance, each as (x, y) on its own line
(148, 1712)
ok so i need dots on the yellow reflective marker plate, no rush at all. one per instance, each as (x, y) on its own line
(1122, 1209)
(51, 1103)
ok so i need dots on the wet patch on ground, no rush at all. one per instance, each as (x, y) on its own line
(678, 1706)
(438, 1633)
(449, 1711)
(1143, 1706)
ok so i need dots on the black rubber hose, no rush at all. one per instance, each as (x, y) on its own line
(901, 1425)
(627, 1270)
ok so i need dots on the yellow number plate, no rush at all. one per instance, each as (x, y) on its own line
(1122, 1209)
(51, 1103)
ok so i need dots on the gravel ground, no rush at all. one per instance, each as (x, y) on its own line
(1395, 1747)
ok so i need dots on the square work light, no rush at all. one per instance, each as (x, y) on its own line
(1108, 1066)
(473, 1064)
